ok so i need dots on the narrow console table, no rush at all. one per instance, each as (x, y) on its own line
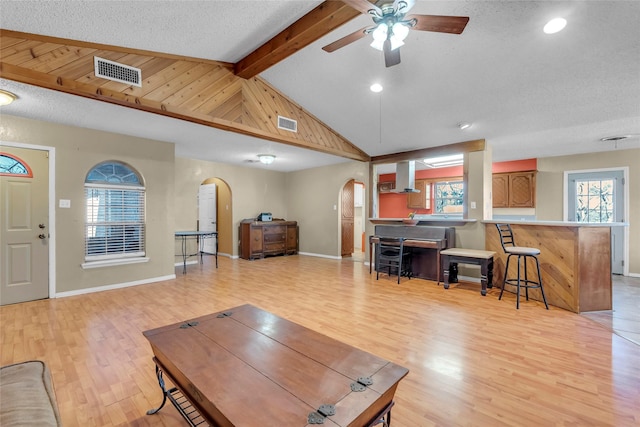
(247, 367)
(199, 236)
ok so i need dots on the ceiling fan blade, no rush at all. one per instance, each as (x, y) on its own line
(350, 38)
(363, 6)
(391, 57)
(439, 24)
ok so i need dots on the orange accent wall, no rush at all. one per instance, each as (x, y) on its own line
(393, 205)
(515, 166)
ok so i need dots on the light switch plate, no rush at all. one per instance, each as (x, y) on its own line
(64, 203)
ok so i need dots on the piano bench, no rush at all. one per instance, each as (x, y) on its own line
(455, 256)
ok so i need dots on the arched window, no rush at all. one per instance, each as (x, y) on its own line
(11, 165)
(115, 219)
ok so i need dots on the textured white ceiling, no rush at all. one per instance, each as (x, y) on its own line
(527, 93)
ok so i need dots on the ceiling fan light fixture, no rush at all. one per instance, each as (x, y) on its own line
(379, 36)
(400, 31)
(380, 33)
(396, 42)
(377, 44)
(266, 159)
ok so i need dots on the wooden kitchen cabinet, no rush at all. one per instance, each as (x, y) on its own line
(421, 200)
(265, 238)
(386, 187)
(514, 190)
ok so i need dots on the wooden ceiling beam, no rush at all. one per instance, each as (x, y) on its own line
(320, 21)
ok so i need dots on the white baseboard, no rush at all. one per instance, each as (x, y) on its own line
(179, 264)
(320, 255)
(115, 286)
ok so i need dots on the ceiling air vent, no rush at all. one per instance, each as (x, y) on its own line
(117, 72)
(287, 124)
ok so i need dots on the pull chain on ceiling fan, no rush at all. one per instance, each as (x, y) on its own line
(392, 26)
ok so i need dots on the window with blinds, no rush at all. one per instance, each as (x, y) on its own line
(115, 213)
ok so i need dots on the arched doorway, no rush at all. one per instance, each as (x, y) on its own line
(352, 220)
(224, 215)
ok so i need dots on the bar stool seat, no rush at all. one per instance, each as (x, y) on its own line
(522, 253)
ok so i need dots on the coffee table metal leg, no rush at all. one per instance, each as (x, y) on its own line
(164, 392)
(380, 419)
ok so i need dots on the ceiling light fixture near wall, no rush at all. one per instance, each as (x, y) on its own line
(7, 98)
(555, 25)
(444, 161)
(464, 125)
(615, 139)
(266, 159)
(376, 88)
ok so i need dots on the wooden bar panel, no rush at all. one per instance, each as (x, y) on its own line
(575, 263)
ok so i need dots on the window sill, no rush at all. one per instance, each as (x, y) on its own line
(113, 262)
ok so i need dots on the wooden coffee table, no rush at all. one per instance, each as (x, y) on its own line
(248, 367)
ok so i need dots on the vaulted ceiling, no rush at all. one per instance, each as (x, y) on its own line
(217, 74)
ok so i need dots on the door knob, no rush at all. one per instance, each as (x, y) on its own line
(41, 236)
(41, 225)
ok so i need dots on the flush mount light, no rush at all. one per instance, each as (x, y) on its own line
(6, 98)
(376, 87)
(555, 25)
(266, 159)
(464, 125)
(615, 138)
(444, 161)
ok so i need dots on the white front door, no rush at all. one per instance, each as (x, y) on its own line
(24, 229)
(598, 196)
(207, 214)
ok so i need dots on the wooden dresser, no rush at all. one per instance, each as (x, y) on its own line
(264, 238)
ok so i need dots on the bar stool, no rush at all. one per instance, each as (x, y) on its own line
(510, 248)
(390, 253)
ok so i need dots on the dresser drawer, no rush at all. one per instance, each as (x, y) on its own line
(274, 229)
(273, 238)
(274, 247)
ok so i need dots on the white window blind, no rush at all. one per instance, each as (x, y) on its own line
(115, 222)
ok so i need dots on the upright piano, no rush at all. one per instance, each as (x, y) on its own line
(425, 243)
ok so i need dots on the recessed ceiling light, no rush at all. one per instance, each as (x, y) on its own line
(464, 125)
(555, 25)
(376, 87)
(6, 98)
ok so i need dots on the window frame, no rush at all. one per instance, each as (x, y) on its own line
(436, 199)
(118, 210)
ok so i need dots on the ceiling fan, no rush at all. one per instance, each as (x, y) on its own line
(392, 25)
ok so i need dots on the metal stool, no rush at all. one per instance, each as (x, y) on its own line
(510, 248)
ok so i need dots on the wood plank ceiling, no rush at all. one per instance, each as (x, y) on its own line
(197, 90)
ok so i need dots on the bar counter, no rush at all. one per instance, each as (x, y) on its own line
(575, 261)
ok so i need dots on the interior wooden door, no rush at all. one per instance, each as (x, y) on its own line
(24, 232)
(207, 213)
(346, 220)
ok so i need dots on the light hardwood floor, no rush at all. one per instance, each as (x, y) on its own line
(624, 319)
(473, 360)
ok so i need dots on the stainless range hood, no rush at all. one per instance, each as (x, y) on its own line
(405, 177)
